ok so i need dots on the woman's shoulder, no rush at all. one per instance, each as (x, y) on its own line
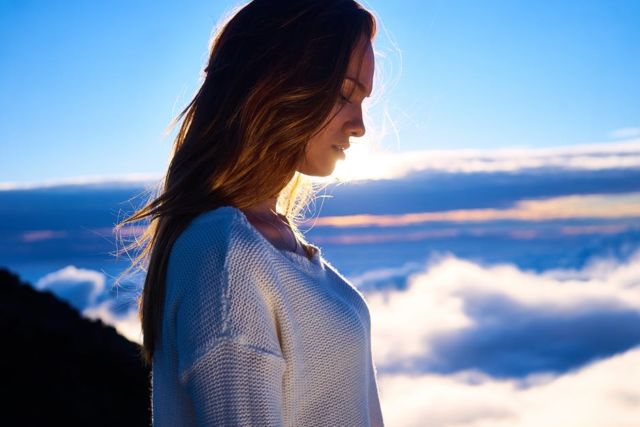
(214, 245)
(213, 234)
(214, 217)
(208, 224)
(206, 237)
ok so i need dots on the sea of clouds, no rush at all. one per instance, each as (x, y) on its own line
(467, 345)
(470, 345)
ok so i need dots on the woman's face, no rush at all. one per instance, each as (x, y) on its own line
(326, 147)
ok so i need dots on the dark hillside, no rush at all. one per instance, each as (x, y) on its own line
(58, 368)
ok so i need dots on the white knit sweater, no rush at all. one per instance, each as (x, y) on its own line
(256, 336)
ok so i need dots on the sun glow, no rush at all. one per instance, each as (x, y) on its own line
(364, 161)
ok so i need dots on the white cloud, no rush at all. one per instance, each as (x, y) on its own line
(603, 393)
(368, 162)
(625, 133)
(127, 324)
(79, 287)
(86, 291)
(137, 179)
(438, 342)
(625, 154)
(445, 299)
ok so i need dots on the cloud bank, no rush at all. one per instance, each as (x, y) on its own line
(459, 315)
(471, 345)
(86, 291)
(553, 208)
(464, 344)
(603, 393)
(79, 287)
(364, 162)
(392, 165)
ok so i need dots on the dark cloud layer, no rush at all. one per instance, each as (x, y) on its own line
(437, 191)
(510, 340)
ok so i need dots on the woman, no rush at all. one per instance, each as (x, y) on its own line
(244, 322)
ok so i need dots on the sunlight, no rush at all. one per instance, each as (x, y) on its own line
(364, 161)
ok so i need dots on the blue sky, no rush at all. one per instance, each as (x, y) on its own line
(87, 88)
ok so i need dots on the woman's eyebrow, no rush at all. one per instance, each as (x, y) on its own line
(360, 85)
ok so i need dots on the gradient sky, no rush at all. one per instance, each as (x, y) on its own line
(88, 87)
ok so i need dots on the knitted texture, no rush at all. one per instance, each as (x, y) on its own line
(256, 336)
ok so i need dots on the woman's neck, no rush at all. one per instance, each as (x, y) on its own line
(283, 234)
(265, 207)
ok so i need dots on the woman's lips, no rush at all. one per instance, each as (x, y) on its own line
(339, 149)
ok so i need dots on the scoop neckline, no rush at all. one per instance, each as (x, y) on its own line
(312, 266)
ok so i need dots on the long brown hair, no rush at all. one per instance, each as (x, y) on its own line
(273, 77)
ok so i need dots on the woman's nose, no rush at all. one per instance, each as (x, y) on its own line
(358, 131)
(355, 126)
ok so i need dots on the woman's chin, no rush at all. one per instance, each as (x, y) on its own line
(318, 172)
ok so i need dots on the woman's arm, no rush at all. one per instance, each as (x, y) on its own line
(229, 355)
(235, 384)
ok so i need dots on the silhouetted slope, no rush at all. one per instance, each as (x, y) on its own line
(58, 368)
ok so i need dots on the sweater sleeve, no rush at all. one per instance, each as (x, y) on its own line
(375, 413)
(233, 384)
(229, 359)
